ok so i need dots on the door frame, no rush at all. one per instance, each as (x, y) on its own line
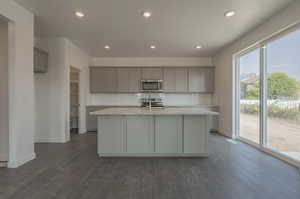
(75, 69)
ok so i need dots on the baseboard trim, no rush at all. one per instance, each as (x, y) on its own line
(50, 140)
(20, 162)
(204, 155)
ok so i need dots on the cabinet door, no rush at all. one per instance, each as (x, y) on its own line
(201, 80)
(128, 80)
(135, 77)
(103, 80)
(195, 134)
(168, 134)
(176, 80)
(170, 80)
(123, 80)
(152, 73)
(110, 134)
(140, 134)
(181, 80)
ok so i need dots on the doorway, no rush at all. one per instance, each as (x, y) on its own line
(74, 99)
(4, 111)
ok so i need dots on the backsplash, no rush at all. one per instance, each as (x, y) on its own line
(133, 99)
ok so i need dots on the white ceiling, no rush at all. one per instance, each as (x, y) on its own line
(175, 27)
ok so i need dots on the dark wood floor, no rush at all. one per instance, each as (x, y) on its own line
(73, 170)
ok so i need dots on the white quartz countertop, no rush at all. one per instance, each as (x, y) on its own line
(153, 111)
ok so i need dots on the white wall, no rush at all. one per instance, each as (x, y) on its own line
(52, 89)
(132, 99)
(4, 121)
(224, 63)
(21, 83)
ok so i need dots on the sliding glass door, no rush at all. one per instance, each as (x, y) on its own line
(283, 103)
(268, 105)
(249, 77)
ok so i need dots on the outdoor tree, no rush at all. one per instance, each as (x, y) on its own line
(253, 93)
(279, 85)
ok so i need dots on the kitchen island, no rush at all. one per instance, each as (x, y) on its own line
(144, 132)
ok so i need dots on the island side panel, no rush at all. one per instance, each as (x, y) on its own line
(110, 134)
(168, 134)
(195, 135)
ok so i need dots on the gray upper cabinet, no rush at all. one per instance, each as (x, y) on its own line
(103, 80)
(176, 80)
(128, 80)
(201, 80)
(152, 73)
(40, 61)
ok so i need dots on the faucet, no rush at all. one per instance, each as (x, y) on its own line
(150, 101)
(150, 104)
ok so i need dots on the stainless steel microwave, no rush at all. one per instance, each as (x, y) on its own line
(151, 85)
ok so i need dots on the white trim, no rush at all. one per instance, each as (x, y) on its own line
(153, 155)
(25, 159)
(51, 140)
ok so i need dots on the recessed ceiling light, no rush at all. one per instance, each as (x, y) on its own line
(152, 46)
(230, 13)
(198, 47)
(79, 14)
(146, 14)
(107, 47)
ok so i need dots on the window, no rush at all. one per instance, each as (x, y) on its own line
(268, 79)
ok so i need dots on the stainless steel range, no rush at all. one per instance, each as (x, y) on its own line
(152, 100)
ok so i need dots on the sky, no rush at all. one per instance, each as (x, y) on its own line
(283, 55)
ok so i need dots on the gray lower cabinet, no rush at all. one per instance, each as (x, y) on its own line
(176, 80)
(128, 80)
(201, 80)
(140, 134)
(168, 134)
(173, 135)
(110, 134)
(195, 130)
(103, 80)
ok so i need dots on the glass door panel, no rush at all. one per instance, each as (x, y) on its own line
(249, 115)
(283, 88)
